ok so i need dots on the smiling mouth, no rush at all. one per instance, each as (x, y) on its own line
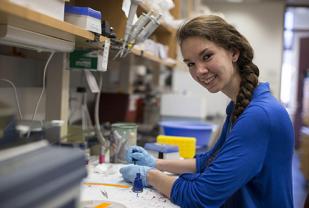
(208, 80)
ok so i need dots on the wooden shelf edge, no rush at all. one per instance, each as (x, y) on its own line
(39, 18)
(152, 57)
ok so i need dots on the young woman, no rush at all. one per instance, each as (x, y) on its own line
(250, 165)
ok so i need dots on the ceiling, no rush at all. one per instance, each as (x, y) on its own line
(298, 2)
(289, 2)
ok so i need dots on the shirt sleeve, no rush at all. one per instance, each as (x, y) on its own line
(201, 159)
(239, 160)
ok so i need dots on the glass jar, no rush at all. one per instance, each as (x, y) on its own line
(123, 135)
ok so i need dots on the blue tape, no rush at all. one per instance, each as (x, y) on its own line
(82, 11)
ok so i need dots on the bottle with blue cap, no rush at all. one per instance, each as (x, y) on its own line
(138, 184)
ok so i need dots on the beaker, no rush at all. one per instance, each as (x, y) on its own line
(123, 135)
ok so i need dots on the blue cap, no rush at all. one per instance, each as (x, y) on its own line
(138, 184)
(82, 11)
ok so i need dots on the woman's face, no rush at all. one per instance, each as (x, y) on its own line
(211, 66)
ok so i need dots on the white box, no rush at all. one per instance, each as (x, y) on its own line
(163, 151)
(53, 8)
(84, 17)
(183, 105)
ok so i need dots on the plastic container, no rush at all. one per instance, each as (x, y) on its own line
(186, 145)
(163, 151)
(200, 130)
(53, 8)
(123, 135)
(85, 17)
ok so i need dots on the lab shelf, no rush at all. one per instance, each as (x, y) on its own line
(165, 33)
(25, 18)
(22, 17)
(148, 55)
(116, 18)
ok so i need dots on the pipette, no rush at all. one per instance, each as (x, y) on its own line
(133, 159)
(138, 26)
(132, 12)
(149, 29)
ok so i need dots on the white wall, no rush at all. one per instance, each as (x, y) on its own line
(28, 97)
(262, 24)
(185, 84)
(26, 74)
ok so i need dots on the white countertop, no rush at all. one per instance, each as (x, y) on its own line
(96, 186)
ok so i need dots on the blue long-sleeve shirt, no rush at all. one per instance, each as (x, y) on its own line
(253, 164)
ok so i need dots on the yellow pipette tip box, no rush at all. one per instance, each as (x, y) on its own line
(186, 145)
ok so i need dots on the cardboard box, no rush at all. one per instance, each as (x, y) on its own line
(304, 152)
(305, 111)
(86, 59)
(305, 119)
(53, 8)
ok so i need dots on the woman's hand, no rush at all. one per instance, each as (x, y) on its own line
(129, 173)
(140, 156)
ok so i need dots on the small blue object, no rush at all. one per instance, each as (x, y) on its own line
(82, 11)
(138, 184)
(133, 159)
(164, 148)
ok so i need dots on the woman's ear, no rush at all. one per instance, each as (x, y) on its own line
(235, 55)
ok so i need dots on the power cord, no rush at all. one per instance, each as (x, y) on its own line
(96, 114)
(16, 96)
(43, 88)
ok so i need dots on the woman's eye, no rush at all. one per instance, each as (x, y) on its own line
(206, 57)
(190, 64)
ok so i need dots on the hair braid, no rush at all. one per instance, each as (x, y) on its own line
(249, 81)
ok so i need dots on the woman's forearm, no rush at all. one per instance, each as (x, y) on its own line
(176, 166)
(161, 182)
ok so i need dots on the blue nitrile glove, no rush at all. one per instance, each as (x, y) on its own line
(140, 156)
(129, 173)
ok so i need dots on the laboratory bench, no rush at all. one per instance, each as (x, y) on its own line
(105, 187)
